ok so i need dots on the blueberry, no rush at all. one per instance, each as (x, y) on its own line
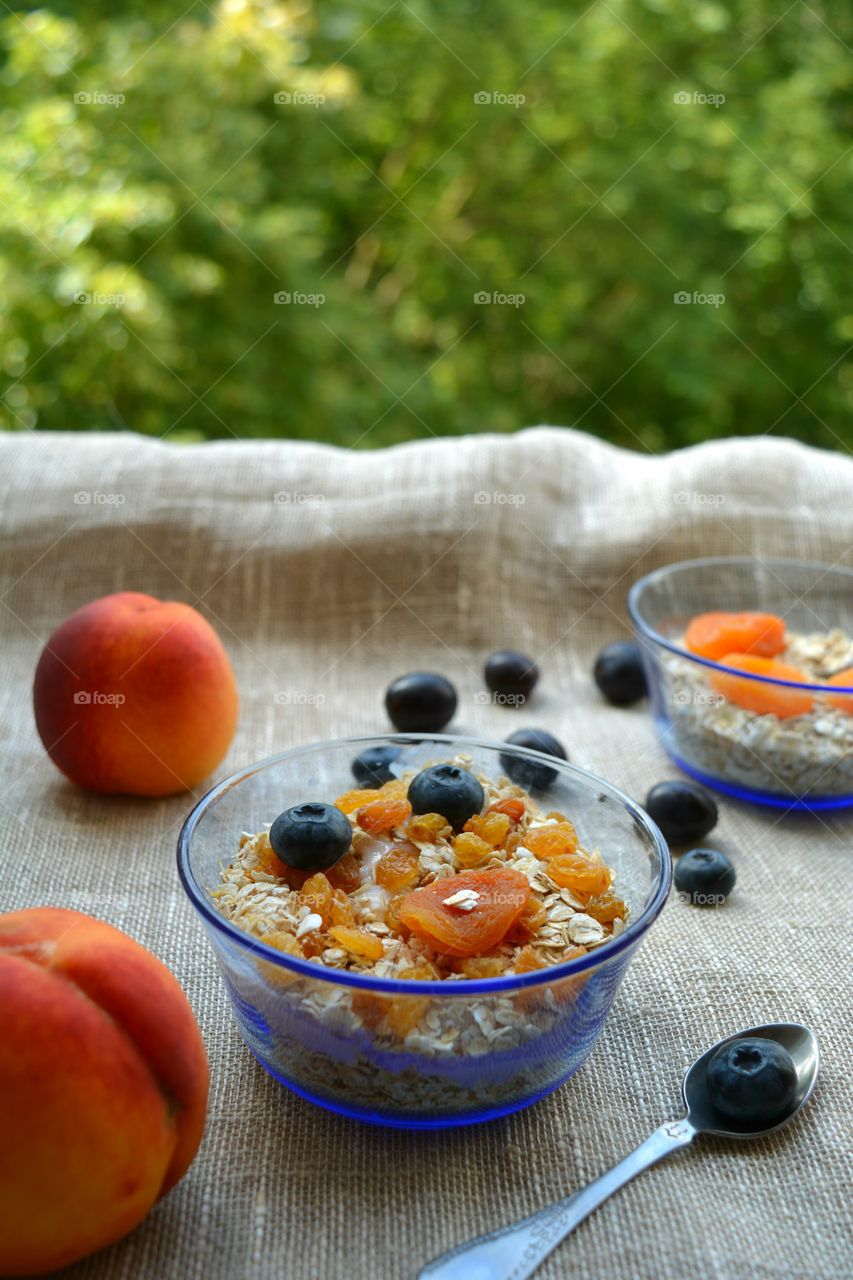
(311, 836)
(704, 877)
(373, 767)
(420, 702)
(684, 811)
(512, 676)
(619, 673)
(449, 790)
(528, 773)
(752, 1082)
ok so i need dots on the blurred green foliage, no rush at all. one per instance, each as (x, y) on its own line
(148, 171)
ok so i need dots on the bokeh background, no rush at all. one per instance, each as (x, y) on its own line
(368, 222)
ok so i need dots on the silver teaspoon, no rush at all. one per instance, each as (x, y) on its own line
(515, 1252)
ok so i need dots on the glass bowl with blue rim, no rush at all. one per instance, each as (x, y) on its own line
(713, 720)
(478, 1048)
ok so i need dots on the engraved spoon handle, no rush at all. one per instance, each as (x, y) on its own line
(515, 1252)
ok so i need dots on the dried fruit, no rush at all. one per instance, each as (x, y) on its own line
(270, 863)
(512, 807)
(843, 702)
(491, 827)
(383, 815)
(392, 916)
(548, 842)
(398, 869)
(346, 874)
(470, 850)
(605, 908)
(285, 942)
(429, 828)
(529, 922)
(340, 908)
(482, 966)
(357, 941)
(754, 695)
(527, 961)
(352, 800)
(501, 895)
(370, 1008)
(711, 635)
(579, 873)
(316, 895)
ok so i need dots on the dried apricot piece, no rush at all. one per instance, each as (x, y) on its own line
(491, 827)
(357, 941)
(398, 869)
(469, 913)
(283, 941)
(470, 850)
(512, 807)
(428, 828)
(547, 842)
(842, 702)
(383, 815)
(579, 873)
(764, 699)
(352, 800)
(711, 635)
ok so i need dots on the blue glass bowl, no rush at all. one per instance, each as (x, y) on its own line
(805, 762)
(480, 1048)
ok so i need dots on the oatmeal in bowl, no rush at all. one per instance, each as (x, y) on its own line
(750, 671)
(437, 947)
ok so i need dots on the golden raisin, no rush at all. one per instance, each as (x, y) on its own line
(470, 850)
(405, 1013)
(340, 908)
(482, 966)
(283, 941)
(605, 908)
(392, 916)
(370, 1008)
(512, 807)
(491, 827)
(316, 895)
(529, 922)
(547, 842)
(428, 828)
(352, 800)
(398, 869)
(394, 789)
(579, 873)
(527, 961)
(383, 815)
(314, 943)
(357, 942)
(346, 874)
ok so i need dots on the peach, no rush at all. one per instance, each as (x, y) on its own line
(135, 695)
(103, 1086)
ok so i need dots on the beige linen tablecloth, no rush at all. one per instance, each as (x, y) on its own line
(325, 573)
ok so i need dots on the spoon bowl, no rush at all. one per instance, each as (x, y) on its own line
(799, 1041)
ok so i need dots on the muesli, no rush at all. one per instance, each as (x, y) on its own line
(509, 890)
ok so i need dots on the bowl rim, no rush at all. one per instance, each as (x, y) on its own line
(632, 934)
(648, 632)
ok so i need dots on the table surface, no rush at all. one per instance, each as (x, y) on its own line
(326, 572)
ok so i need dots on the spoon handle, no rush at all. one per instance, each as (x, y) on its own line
(515, 1252)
